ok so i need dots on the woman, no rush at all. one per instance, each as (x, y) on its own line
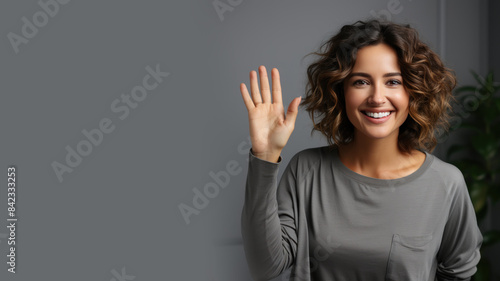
(374, 204)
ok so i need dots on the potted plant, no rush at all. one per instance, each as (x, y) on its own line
(478, 154)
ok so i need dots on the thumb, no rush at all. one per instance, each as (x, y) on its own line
(293, 109)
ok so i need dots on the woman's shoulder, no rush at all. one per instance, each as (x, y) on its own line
(448, 173)
(309, 158)
(314, 153)
(445, 167)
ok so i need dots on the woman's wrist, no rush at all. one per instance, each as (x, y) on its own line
(272, 156)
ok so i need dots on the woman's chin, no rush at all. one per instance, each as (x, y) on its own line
(379, 134)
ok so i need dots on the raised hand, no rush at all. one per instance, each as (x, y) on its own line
(270, 129)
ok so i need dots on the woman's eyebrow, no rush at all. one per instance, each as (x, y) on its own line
(390, 74)
(362, 74)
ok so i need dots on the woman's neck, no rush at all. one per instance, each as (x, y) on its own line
(379, 158)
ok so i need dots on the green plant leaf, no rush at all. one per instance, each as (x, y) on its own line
(494, 194)
(472, 123)
(477, 154)
(478, 78)
(481, 215)
(478, 191)
(489, 83)
(488, 112)
(496, 101)
(466, 88)
(490, 237)
(472, 170)
(485, 144)
(489, 78)
(469, 100)
(496, 87)
(476, 172)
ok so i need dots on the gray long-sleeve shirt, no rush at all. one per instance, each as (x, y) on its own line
(330, 223)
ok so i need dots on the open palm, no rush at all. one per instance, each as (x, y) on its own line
(270, 129)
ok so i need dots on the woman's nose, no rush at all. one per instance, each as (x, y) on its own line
(377, 95)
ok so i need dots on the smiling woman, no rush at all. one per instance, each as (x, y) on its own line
(376, 101)
(426, 80)
(376, 104)
(374, 204)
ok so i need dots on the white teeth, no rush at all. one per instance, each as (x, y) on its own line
(377, 114)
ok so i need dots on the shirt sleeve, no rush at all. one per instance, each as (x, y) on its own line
(459, 252)
(267, 219)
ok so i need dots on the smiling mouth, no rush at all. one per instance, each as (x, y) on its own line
(377, 115)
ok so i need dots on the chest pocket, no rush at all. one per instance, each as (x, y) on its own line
(410, 258)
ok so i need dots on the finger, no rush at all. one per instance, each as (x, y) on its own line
(291, 114)
(254, 87)
(276, 86)
(264, 84)
(246, 97)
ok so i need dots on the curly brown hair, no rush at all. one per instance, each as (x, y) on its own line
(428, 82)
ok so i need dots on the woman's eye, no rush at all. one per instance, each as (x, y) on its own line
(394, 82)
(360, 82)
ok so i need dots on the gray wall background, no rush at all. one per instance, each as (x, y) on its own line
(117, 213)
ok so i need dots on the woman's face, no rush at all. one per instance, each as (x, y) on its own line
(376, 101)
